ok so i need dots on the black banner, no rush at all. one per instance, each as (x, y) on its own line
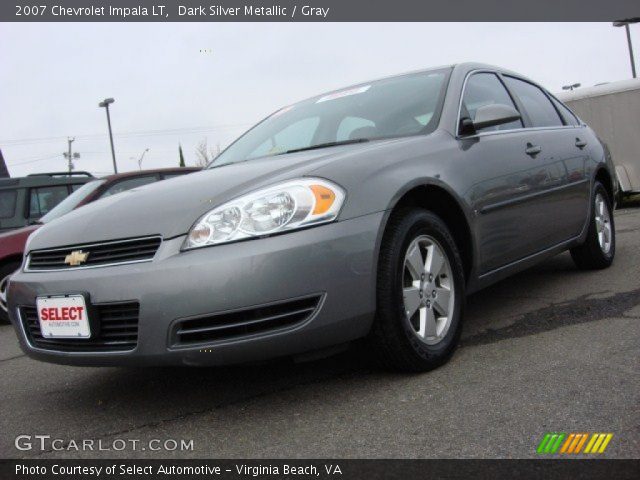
(320, 469)
(316, 10)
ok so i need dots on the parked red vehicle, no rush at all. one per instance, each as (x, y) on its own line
(12, 243)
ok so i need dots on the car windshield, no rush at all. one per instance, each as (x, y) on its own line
(72, 201)
(392, 107)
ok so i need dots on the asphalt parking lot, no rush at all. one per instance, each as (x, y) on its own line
(552, 349)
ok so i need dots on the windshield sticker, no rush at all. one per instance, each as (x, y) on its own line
(344, 93)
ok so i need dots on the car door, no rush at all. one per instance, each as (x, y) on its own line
(565, 193)
(512, 167)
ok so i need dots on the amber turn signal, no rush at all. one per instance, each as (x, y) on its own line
(324, 198)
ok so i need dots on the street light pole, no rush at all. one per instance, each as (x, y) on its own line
(105, 103)
(571, 87)
(633, 62)
(625, 23)
(141, 157)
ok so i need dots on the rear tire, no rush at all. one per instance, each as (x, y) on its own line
(6, 270)
(599, 249)
(420, 293)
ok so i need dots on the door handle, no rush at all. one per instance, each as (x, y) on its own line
(580, 143)
(532, 150)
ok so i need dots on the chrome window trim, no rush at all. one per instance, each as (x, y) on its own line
(26, 268)
(515, 130)
(496, 132)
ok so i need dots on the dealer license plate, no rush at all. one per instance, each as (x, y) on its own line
(63, 317)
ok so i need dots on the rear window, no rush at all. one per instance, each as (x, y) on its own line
(43, 199)
(167, 176)
(128, 184)
(72, 201)
(8, 203)
(536, 103)
(569, 117)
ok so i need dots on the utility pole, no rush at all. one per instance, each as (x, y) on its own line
(69, 155)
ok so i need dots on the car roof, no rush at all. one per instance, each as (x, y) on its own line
(463, 66)
(471, 66)
(44, 179)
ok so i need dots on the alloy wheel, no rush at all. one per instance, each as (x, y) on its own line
(428, 290)
(603, 223)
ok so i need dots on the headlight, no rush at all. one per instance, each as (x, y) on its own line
(279, 208)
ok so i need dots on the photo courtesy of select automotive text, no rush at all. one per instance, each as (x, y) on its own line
(320, 239)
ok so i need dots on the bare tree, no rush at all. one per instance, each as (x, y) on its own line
(204, 154)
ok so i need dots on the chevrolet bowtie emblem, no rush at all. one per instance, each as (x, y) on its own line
(75, 258)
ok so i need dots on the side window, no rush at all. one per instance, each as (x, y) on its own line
(569, 117)
(537, 105)
(8, 203)
(486, 89)
(297, 135)
(349, 127)
(43, 199)
(128, 184)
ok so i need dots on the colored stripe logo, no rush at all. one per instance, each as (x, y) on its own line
(573, 443)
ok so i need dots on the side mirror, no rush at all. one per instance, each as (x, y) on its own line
(496, 114)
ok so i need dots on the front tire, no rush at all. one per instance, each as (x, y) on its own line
(6, 271)
(599, 249)
(420, 293)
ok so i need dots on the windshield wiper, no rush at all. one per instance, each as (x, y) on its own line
(325, 145)
(293, 150)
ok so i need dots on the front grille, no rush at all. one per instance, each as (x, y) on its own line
(239, 323)
(118, 330)
(97, 254)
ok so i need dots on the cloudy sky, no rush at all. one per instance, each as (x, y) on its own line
(182, 83)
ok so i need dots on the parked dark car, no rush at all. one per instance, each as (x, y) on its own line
(23, 200)
(371, 211)
(12, 242)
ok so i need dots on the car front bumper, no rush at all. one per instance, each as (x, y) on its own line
(334, 261)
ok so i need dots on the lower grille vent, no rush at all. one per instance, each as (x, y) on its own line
(239, 323)
(118, 330)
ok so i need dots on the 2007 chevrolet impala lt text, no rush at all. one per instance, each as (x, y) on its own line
(368, 212)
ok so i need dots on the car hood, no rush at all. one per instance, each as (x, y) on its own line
(169, 208)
